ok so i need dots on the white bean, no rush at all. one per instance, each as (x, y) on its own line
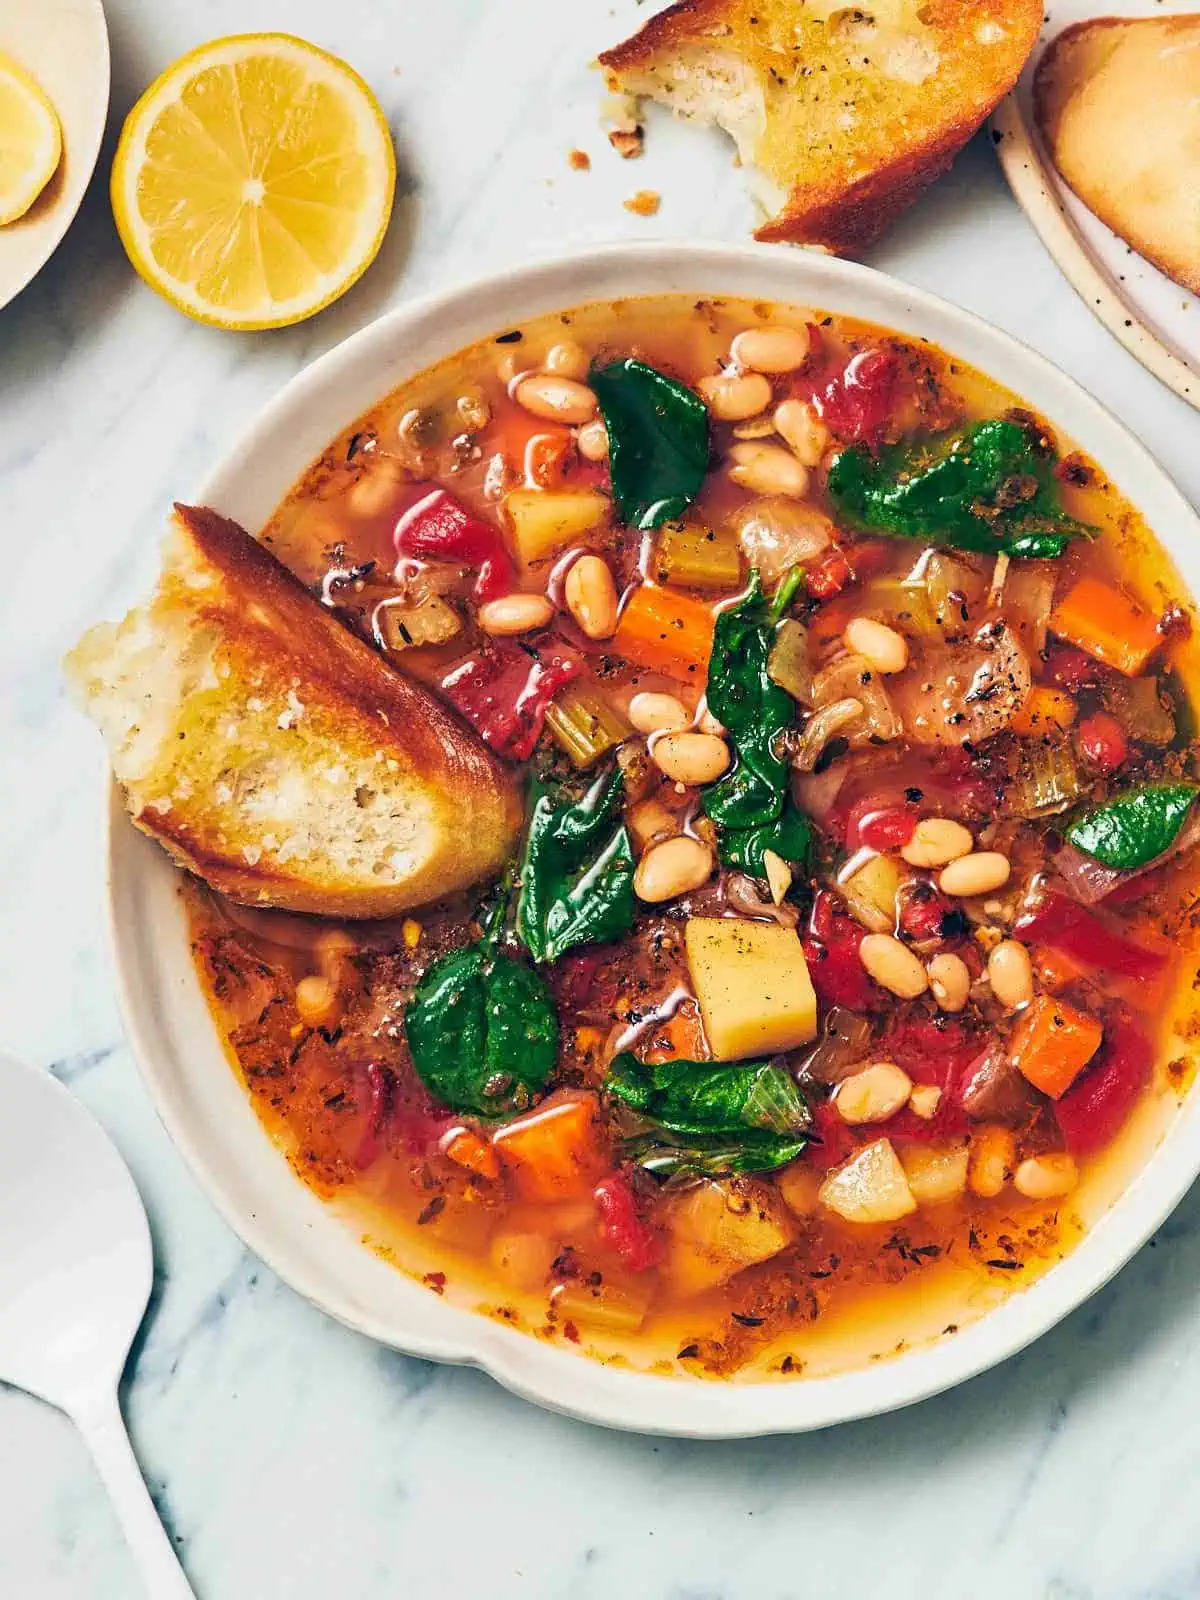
(778, 349)
(690, 758)
(1010, 973)
(317, 1002)
(873, 1094)
(658, 713)
(1046, 1177)
(591, 596)
(671, 868)
(949, 982)
(802, 431)
(555, 399)
(893, 965)
(924, 1101)
(884, 650)
(979, 873)
(592, 441)
(515, 613)
(936, 842)
(567, 360)
(734, 396)
(767, 469)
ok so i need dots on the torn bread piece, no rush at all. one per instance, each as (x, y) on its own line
(276, 755)
(1117, 103)
(841, 114)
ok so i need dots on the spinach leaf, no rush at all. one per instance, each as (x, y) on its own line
(657, 441)
(745, 1116)
(751, 804)
(576, 871)
(1135, 827)
(482, 1031)
(989, 488)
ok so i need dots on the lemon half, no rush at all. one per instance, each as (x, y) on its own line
(253, 181)
(30, 141)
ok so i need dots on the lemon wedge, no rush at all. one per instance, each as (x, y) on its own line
(253, 181)
(30, 141)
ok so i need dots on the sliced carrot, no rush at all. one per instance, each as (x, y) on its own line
(470, 1151)
(665, 632)
(556, 1152)
(1044, 711)
(1108, 625)
(1052, 1044)
(681, 1036)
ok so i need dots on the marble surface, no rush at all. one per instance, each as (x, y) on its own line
(288, 1456)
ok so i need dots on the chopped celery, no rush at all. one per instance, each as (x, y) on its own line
(1144, 713)
(1049, 780)
(951, 583)
(898, 597)
(602, 1305)
(585, 726)
(698, 557)
(788, 664)
(401, 624)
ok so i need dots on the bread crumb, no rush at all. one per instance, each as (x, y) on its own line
(621, 110)
(252, 853)
(295, 710)
(579, 160)
(628, 142)
(644, 203)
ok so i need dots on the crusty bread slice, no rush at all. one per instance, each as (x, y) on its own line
(1118, 105)
(841, 115)
(275, 754)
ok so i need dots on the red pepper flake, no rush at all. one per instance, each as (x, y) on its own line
(578, 160)
(440, 528)
(435, 1281)
(379, 1100)
(639, 1245)
(434, 1209)
(570, 1331)
(504, 691)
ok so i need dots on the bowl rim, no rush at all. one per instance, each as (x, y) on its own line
(282, 1222)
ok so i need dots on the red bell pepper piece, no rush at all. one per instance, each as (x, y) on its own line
(828, 575)
(831, 950)
(880, 826)
(440, 528)
(639, 1245)
(1096, 1106)
(504, 690)
(1080, 934)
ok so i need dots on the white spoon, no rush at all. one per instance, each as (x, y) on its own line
(75, 1275)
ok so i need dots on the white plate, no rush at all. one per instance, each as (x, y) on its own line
(174, 1037)
(1154, 318)
(64, 45)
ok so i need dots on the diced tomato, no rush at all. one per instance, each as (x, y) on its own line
(828, 575)
(1081, 934)
(1098, 1103)
(1102, 741)
(833, 1142)
(504, 691)
(855, 404)
(880, 827)
(831, 950)
(925, 913)
(1067, 667)
(940, 1052)
(440, 528)
(968, 788)
(639, 1245)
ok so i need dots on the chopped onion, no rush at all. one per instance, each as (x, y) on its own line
(1089, 880)
(845, 1038)
(742, 895)
(776, 533)
(816, 793)
(965, 693)
(1029, 599)
(852, 677)
(822, 726)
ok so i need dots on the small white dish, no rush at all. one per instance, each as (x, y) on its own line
(201, 1100)
(64, 45)
(1156, 319)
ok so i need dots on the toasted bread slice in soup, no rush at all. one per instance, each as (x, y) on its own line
(275, 754)
(1118, 105)
(841, 114)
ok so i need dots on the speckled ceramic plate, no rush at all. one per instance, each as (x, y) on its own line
(64, 45)
(1154, 318)
(199, 1097)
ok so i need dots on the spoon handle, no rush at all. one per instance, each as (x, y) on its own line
(104, 1433)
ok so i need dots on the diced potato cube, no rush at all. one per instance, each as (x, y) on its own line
(870, 893)
(935, 1172)
(718, 1228)
(543, 521)
(870, 1187)
(752, 982)
(800, 1187)
(603, 1305)
(524, 1259)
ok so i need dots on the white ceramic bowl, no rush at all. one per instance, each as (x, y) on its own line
(198, 1096)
